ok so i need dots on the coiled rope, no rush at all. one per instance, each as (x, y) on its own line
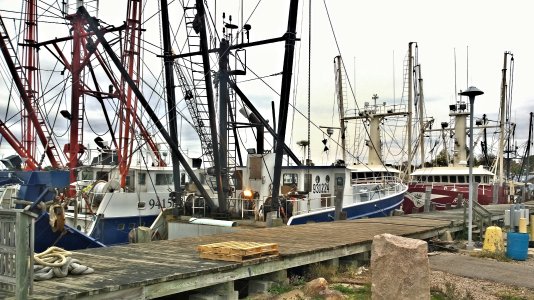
(56, 262)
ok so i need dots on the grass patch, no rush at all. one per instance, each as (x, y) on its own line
(279, 289)
(332, 273)
(294, 282)
(347, 290)
(363, 293)
(497, 255)
(325, 271)
(354, 293)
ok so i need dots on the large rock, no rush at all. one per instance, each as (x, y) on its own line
(315, 287)
(399, 268)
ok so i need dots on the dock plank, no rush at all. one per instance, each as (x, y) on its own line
(129, 269)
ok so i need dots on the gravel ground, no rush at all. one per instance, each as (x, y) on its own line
(453, 286)
(456, 287)
(468, 288)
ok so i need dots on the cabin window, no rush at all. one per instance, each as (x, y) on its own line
(461, 179)
(437, 178)
(290, 178)
(339, 181)
(100, 175)
(87, 175)
(130, 179)
(238, 179)
(182, 179)
(444, 178)
(120, 227)
(452, 179)
(307, 182)
(477, 178)
(163, 179)
(142, 178)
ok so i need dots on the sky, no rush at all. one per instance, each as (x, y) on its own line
(460, 44)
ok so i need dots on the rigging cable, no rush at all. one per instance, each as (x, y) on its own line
(344, 68)
(309, 76)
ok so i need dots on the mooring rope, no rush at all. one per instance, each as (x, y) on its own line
(56, 262)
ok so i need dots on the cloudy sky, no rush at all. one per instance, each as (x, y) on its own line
(372, 37)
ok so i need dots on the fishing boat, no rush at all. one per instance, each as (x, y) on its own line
(140, 168)
(309, 191)
(445, 186)
(103, 196)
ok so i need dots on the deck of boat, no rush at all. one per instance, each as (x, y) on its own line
(151, 270)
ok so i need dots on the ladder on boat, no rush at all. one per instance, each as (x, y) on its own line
(29, 97)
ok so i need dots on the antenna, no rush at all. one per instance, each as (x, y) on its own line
(467, 78)
(455, 88)
(394, 77)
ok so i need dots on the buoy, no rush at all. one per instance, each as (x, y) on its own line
(493, 240)
(522, 225)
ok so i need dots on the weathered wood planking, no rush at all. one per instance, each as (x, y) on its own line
(141, 265)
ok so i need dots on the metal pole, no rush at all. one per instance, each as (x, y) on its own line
(171, 98)
(224, 99)
(471, 92)
(471, 183)
(410, 103)
(284, 97)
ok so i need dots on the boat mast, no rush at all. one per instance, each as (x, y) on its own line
(284, 98)
(341, 102)
(128, 111)
(460, 112)
(171, 99)
(504, 87)
(30, 64)
(32, 111)
(210, 99)
(410, 104)
(421, 122)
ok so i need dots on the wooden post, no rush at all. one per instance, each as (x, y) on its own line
(16, 251)
(338, 202)
(24, 255)
(428, 193)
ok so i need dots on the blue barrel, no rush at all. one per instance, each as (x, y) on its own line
(517, 245)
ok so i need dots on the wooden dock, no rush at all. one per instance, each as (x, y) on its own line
(157, 269)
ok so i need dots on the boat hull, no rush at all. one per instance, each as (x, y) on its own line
(446, 196)
(369, 209)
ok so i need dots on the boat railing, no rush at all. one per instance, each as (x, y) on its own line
(199, 206)
(309, 204)
(249, 207)
(389, 181)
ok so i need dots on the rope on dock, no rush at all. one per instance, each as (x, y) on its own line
(56, 262)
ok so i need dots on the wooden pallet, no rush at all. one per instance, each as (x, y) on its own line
(237, 251)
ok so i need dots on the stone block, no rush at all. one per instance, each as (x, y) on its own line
(400, 268)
